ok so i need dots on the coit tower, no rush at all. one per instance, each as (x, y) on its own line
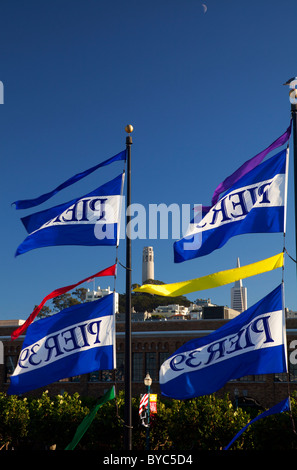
(147, 264)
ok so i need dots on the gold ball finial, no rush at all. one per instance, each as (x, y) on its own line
(129, 128)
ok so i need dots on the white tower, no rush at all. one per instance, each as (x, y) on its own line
(147, 264)
(238, 295)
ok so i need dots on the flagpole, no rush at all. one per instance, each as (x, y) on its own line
(294, 119)
(128, 349)
(292, 82)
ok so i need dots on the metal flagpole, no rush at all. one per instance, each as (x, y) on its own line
(128, 354)
(292, 82)
(294, 119)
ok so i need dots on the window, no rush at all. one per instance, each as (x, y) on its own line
(106, 375)
(137, 367)
(246, 378)
(293, 372)
(250, 378)
(260, 378)
(94, 376)
(10, 365)
(120, 370)
(70, 379)
(281, 377)
(101, 376)
(151, 365)
(76, 378)
(162, 357)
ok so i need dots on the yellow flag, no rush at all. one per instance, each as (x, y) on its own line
(214, 280)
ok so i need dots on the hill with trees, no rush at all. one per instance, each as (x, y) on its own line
(141, 302)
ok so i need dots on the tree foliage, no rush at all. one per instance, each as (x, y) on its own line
(14, 420)
(204, 423)
(143, 302)
(63, 301)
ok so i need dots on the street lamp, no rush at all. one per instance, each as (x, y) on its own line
(148, 382)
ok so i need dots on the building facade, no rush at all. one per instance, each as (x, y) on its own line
(152, 343)
(92, 295)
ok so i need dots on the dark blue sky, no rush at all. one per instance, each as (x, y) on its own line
(203, 91)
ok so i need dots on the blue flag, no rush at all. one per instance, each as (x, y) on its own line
(27, 203)
(75, 341)
(91, 220)
(251, 343)
(284, 405)
(255, 204)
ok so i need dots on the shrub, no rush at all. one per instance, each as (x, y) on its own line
(203, 423)
(14, 420)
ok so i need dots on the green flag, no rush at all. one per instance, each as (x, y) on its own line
(82, 428)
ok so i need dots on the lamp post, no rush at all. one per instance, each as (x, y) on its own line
(148, 382)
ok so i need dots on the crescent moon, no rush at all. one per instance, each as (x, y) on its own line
(204, 7)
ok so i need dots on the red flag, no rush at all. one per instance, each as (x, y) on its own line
(105, 272)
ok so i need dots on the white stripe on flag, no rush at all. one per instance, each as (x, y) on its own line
(143, 402)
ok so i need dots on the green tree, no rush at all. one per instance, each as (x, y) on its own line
(276, 432)
(14, 420)
(80, 294)
(53, 420)
(204, 423)
(46, 311)
(159, 430)
(106, 431)
(63, 301)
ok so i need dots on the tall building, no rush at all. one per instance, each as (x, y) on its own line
(147, 264)
(238, 295)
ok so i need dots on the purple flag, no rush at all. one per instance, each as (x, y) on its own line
(246, 167)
